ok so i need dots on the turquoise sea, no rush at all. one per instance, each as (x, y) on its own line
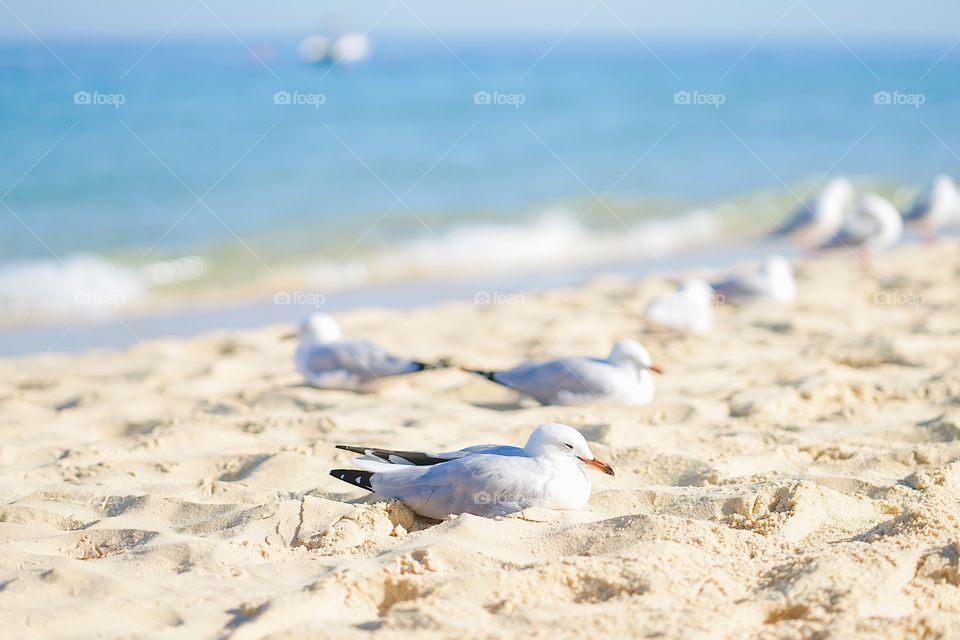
(145, 172)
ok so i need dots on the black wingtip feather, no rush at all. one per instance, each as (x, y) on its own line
(442, 363)
(354, 477)
(351, 449)
(417, 458)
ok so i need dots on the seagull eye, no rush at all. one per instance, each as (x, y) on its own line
(568, 446)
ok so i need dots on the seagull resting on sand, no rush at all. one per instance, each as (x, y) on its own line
(936, 206)
(623, 377)
(873, 227)
(771, 282)
(485, 480)
(819, 219)
(329, 361)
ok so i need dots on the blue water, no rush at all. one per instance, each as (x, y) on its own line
(286, 182)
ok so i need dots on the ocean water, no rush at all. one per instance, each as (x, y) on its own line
(135, 175)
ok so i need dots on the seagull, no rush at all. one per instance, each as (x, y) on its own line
(771, 282)
(689, 308)
(485, 480)
(819, 219)
(873, 227)
(329, 361)
(622, 378)
(937, 205)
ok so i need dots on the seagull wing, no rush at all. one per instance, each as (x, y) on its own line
(380, 457)
(351, 363)
(921, 206)
(482, 484)
(856, 230)
(562, 381)
(742, 287)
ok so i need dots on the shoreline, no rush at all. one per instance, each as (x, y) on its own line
(256, 311)
(120, 332)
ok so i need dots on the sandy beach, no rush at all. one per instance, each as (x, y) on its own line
(797, 475)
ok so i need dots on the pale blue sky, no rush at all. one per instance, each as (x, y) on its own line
(854, 19)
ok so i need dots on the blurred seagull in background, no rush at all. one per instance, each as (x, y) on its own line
(329, 361)
(819, 219)
(772, 281)
(937, 205)
(484, 480)
(623, 377)
(688, 309)
(874, 226)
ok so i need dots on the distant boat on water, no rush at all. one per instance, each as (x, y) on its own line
(345, 49)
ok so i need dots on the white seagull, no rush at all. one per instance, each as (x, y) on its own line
(819, 219)
(485, 480)
(771, 282)
(936, 206)
(623, 377)
(873, 227)
(689, 308)
(329, 361)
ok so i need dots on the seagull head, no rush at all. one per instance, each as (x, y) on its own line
(632, 353)
(554, 440)
(838, 192)
(319, 328)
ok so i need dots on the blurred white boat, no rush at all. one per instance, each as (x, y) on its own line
(350, 48)
(346, 49)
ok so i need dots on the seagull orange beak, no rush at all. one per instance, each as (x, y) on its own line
(655, 368)
(598, 464)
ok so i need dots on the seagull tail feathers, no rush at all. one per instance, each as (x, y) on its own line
(489, 375)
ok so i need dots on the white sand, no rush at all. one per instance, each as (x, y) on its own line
(798, 474)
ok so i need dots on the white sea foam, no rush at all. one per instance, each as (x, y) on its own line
(555, 238)
(87, 286)
(80, 285)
